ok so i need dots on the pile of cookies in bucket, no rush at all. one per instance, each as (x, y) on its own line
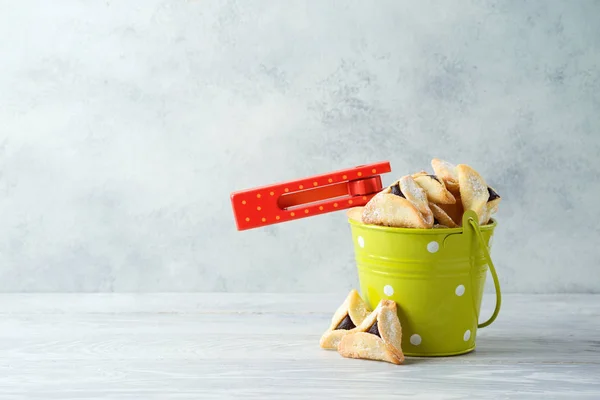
(419, 201)
(423, 200)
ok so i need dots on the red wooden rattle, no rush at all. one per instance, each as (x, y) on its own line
(306, 197)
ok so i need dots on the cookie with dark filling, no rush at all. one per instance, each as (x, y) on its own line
(435, 188)
(348, 316)
(402, 205)
(378, 338)
(424, 200)
(491, 206)
(387, 208)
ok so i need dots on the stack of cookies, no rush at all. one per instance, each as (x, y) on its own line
(424, 200)
(357, 332)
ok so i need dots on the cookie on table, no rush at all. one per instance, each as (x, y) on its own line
(378, 338)
(348, 316)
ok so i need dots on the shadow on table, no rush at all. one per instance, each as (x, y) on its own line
(526, 349)
(535, 347)
(415, 360)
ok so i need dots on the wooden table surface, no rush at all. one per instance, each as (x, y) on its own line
(204, 346)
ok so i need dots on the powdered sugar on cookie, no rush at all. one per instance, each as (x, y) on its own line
(408, 202)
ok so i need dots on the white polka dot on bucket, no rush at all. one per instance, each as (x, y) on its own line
(467, 335)
(388, 290)
(361, 242)
(460, 290)
(433, 247)
(415, 340)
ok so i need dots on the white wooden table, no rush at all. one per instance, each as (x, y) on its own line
(203, 346)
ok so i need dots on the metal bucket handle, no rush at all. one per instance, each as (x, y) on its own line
(474, 222)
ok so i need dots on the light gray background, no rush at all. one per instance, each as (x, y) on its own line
(124, 126)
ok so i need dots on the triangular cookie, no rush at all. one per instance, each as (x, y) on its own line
(379, 337)
(389, 209)
(494, 198)
(491, 206)
(473, 190)
(435, 189)
(349, 315)
(447, 172)
(416, 195)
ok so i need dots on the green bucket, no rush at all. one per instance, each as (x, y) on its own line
(435, 276)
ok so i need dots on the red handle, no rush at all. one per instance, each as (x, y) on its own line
(306, 197)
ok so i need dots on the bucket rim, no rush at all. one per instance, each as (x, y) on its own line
(419, 231)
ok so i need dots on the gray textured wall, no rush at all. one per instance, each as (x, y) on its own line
(125, 125)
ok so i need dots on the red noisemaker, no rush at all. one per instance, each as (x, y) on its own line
(306, 197)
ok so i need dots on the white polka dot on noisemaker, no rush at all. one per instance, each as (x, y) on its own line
(467, 335)
(433, 247)
(388, 290)
(361, 242)
(415, 340)
(460, 290)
